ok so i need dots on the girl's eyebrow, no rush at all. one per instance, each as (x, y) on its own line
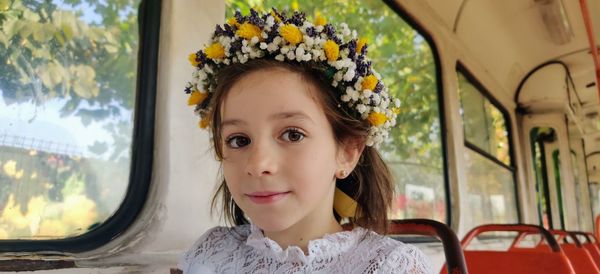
(277, 116)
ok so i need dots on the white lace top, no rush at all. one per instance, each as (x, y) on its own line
(244, 249)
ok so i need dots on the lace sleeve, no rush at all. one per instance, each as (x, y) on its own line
(406, 259)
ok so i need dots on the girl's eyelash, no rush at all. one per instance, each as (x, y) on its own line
(233, 137)
(295, 130)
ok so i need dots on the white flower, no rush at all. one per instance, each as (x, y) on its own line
(290, 55)
(345, 98)
(397, 102)
(367, 93)
(349, 75)
(263, 45)
(361, 108)
(338, 76)
(319, 28)
(271, 47)
(300, 51)
(279, 57)
(254, 40)
(284, 50)
(270, 21)
(309, 41)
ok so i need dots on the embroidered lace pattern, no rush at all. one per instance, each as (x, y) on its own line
(244, 249)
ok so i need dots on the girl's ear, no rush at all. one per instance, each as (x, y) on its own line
(348, 155)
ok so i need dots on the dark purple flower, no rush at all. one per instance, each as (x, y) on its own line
(255, 19)
(235, 46)
(363, 51)
(311, 32)
(298, 18)
(378, 87)
(229, 30)
(219, 31)
(272, 33)
(239, 18)
(188, 88)
(352, 49)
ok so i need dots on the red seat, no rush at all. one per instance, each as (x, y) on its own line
(517, 260)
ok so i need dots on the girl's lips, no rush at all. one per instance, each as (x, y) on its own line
(266, 197)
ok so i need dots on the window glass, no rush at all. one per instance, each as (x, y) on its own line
(580, 178)
(491, 191)
(406, 62)
(484, 124)
(490, 176)
(67, 94)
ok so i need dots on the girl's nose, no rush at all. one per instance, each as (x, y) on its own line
(262, 160)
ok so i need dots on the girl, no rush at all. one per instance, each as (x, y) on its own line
(296, 115)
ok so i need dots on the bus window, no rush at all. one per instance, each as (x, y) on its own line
(585, 219)
(490, 173)
(407, 63)
(68, 73)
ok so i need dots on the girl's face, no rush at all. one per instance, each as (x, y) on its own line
(280, 156)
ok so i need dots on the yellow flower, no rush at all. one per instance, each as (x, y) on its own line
(369, 82)
(291, 34)
(295, 5)
(320, 20)
(360, 44)
(332, 50)
(233, 22)
(275, 16)
(215, 51)
(377, 118)
(396, 110)
(204, 122)
(248, 31)
(196, 97)
(192, 59)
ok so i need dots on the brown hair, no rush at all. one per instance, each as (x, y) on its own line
(371, 179)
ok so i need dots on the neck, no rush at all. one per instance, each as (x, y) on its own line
(301, 233)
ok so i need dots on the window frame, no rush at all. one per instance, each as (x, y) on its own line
(462, 68)
(142, 147)
(412, 22)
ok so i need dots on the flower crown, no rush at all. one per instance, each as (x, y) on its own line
(292, 39)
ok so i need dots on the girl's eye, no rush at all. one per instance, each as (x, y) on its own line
(293, 135)
(237, 141)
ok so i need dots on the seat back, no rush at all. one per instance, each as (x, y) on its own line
(516, 262)
(452, 250)
(546, 258)
(580, 258)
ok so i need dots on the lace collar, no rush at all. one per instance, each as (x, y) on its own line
(329, 246)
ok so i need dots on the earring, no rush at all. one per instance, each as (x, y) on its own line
(343, 174)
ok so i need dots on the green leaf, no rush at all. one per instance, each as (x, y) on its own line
(4, 5)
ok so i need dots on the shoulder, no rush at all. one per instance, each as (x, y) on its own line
(392, 256)
(215, 243)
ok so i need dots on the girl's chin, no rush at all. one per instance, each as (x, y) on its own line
(271, 226)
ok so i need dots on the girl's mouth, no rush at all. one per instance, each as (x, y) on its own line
(266, 197)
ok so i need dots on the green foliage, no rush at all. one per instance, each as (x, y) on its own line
(49, 52)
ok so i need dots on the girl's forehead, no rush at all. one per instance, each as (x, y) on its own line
(267, 92)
